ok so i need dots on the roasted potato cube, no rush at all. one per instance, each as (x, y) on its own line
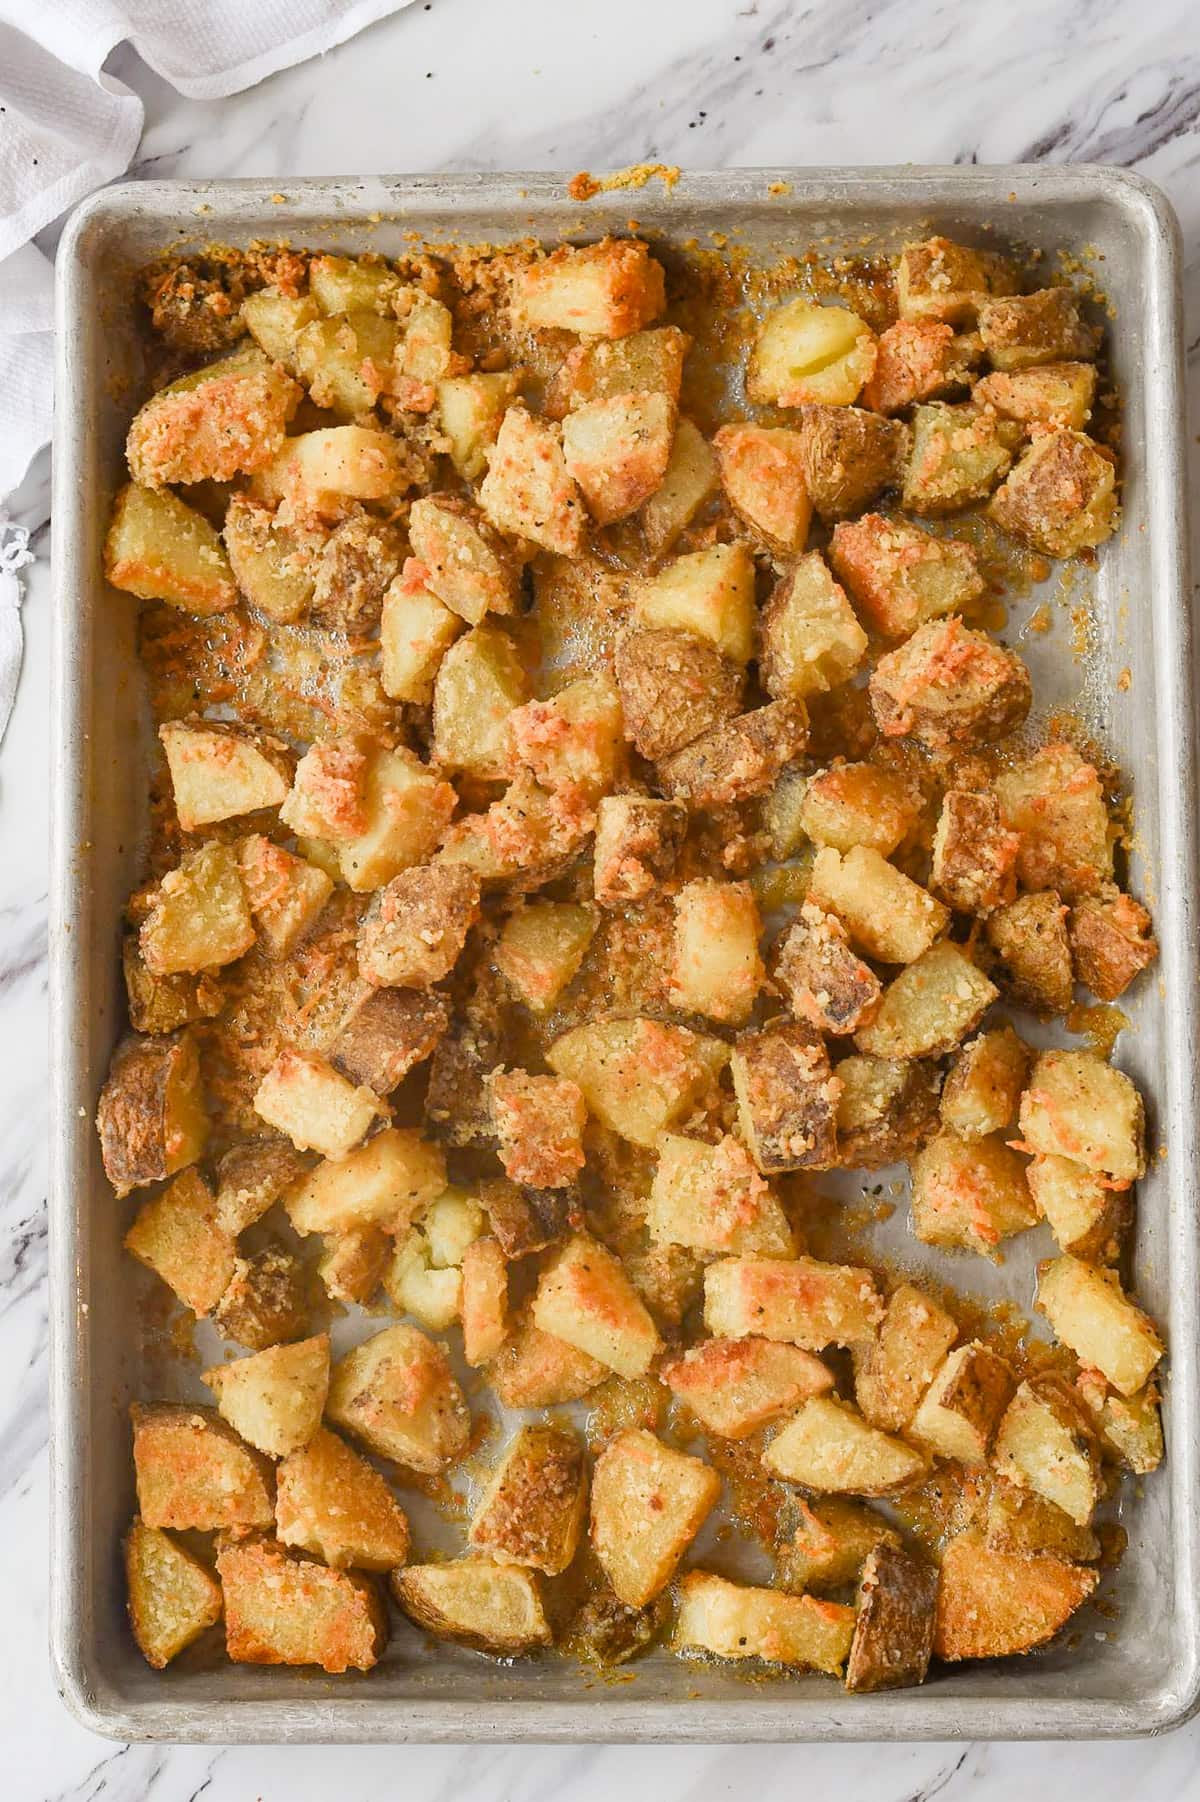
(894, 1370)
(417, 926)
(983, 1086)
(738, 760)
(762, 473)
(346, 362)
(690, 480)
(224, 420)
(162, 1004)
(316, 473)
(407, 810)
(483, 1300)
(1029, 936)
(466, 564)
(386, 1182)
(352, 1264)
(974, 853)
(1086, 1213)
(992, 1604)
(305, 1098)
(787, 1097)
(893, 1626)
(941, 280)
(648, 1504)
(604, 290)
(824, 983)
(735, 1386)
(285, 893)
(251, 1178)
(916, 359)
(173, 1598)
(831, 1543)
(1046, 1442)
(536, 1370)
(1061, 497)
(361, 559)
(275, 321)
(898, 576)
(969, 1192)
(1090, 1312)
(471, 408)
(330, 1503)
(491, 1607)
(526, 1220)
(796, 1300)
(811, 641)
(711, 1198)
(284, 1610)
(178, 1236)
(717, 970)
(617, 451)
(806, 352)
(959, 454)
(962, 1408)
(274, 1399)
(328, 798)
(1019, 330)
(386, 1034)
(729, 1620)
(829, 1447)
(929, 1007)
(1054, 801)
(533, 1508)
(1053, 394)
(479, 681)
(1019, 1520)
(528, 490)
(1079, 1107)
(396, 1392)
(275, 561)
(151, 1118)
(200, 917)
(709, 593)
(573, 741)
(542, 946)
(1111, 941)
(858, 804)
(352, 284)
(638, 1077)
(949, 685)
(265, 1301)
(539, 1123)
(649, 362)
(1130, 1426)
(638, 839)
(432, 1296)
(887, 1108)
(849, 456)
(193, 1471)
(585, 1298)
(162, 550)
(674, 688)
(415, 632)
(884, 912)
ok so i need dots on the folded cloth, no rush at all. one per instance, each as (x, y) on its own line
(66, 128)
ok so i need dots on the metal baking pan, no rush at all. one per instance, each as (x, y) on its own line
(1134, 1668)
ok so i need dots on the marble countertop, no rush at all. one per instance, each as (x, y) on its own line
(462, 84)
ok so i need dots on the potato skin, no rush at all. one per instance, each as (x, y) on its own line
(893, 1629)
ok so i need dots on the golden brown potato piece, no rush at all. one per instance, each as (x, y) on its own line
(848, 456)
(992, 1604)
(617, 449)
(974, 853)
(969, 1192)
(491, 1607)
(887, 1109)
(1029, 936)
(466, 564)
(535, 1370)
(224, 420)
(352, 1264)
(539, 1122)
(331, 1503)
(762, 473)
(388, 1032)
(193, 1471)
(831, 1543)
(930, 1007)
(1055, 801)
(717, 970)
(163, 1004)
(1021, 330)
(1111, 941)
(983, 1085)
(893, 1626)
(674, 688)
(959, 454)
(730, 1621)
(949, 685)
(797, 1300)
(811, 640)
(274, 1399)
(604, 290)
(712, 1199)
(638, 839)
(648, 1503)
(417, 926)
(1047, 1442)
(178, 1236)
(532, 1510)
(787, 1098)
(357, 565)
(585, 1298)
(885, 913)
(151, 1116)
(829, 1447)
(738, 760)
(304, 1097)
(199, 918)
(1089, 1311)
(528, 490)
(734, 1386)
(286, 893)
(1076, 1106)
(638, 1077)
(1050, 394)
(219, 771)
(899, 576)
(824, 983)
(285, 1610)
(173, 1598)
(265, 1301)
(941, 280)
(893, 1370)
(1061, 497)
(858, 804)
(396, 1392)
(962, 1407)
(917, 359)
(386, 1182)
(1088, 1216)
(806, 352)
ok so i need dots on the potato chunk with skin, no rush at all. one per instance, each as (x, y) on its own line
(928, 1008)
(617, 451)
(532, 1510)
(1029, 936)
(1054, 801)
(830, 1448)
(983, 1086)
(916, 359)
(806, 352)
(674, 688)
(151, 1117)
(893, 1627)
(886, 1110)
(1130, 1426)
(483, 1300)
(386, 1034)
(735, 1386)
(352, 1264)
(528, 490)
(899, 576)
(948, 685)
(1020, 330)
(415, 632)
(1090, 1312)
(274, 1398)
(386, 1182)
(526, 1219)
(285, 1610)
(265, 1301)
(648, 1503)
(275, 562)
(1047, 1443)
(961, 1410)
(709, 593)
(1087, 1214)
(542, 946)
(884, 912)
(787, 1098)
(1111, 941)
(849, 456)
(305, 1098)
(160, 549)
(1052, 394)
(585, 1298)
(332, 1504)
(193, 1471)
(969, 1192)
(717, 970)
(1019, 1520)
(824, 983)
(251, 1178)
(893, 1370)
(638, 1077)
(811, 641)
(200, 918)
(739, 760)
(286, 894)
(572, 741)
(798, 1301)
(974, 853)
(396, 1393)
(224, 420)
(480, 680)
(711, 1198)
(491, 1607)
(690, 480)
(173, 1598)
(539, 1123)
(859, 804)
(1079, 1107)
(941, 280)
(606, 290)
(468, 567)
(762, 473)
(992, 1604)
(1061, 497)
(638, 839)
(537, 1370)
(360, 560)
(730, 1620)
(831, 1543)
(178, 1236)
(162, 1004)
(417, 926)
(959, 455)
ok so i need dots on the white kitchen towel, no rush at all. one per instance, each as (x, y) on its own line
(66, 129)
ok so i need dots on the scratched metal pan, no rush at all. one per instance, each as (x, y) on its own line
(1132, 1667)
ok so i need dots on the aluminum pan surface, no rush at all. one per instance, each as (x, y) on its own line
(1136, 1673)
